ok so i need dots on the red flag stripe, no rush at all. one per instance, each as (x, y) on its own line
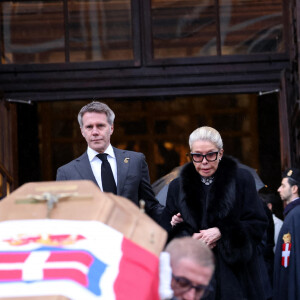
(140, 266)
(10, 275)
(78, 256)
(68, 274)
(71, 265)
(13, 257)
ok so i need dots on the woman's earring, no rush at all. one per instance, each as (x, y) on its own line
(220, 159)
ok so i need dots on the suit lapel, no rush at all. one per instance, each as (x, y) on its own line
(83, 167)
(122, 168)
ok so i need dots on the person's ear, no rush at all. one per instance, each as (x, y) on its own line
(221, 153)
(82, 132)
(295, 190)
(112, 129)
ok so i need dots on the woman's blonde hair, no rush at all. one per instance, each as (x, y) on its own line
(206, 133)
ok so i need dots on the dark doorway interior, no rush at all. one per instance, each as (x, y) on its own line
(49, 135)
(28, 144)
(269, 142)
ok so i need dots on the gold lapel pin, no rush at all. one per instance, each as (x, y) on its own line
(126, 160)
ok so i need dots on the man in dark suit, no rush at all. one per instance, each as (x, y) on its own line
(129, 169)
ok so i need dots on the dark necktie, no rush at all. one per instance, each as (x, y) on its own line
(108, 181)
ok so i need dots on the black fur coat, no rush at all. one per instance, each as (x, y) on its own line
(231, 203)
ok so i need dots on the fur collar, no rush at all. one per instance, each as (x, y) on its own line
(222, 194)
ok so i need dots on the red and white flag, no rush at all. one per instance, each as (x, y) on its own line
(76, 259)
(285, 255)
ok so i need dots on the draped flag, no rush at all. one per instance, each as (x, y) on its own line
(75, 259)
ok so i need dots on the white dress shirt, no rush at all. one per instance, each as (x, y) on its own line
(277, 226)
(97, 162)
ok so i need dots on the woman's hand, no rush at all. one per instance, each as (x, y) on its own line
(176, 219)
(209, 236)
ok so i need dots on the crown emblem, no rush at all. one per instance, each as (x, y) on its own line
(287, 238)
(45, 239)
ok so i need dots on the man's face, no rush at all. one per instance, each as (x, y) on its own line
(196, 274)
(96, 130)
(285, 190)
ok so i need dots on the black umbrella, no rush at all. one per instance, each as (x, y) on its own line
(258, 182)
(160, 186)
(162, 182)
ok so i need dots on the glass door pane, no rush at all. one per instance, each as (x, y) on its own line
(183, 28)
(32, 32)
(251, 26)
(66, 31)
(100, 30)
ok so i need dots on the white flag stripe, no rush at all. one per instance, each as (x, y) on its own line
(32, 266)
(48, 265)
(67, 265)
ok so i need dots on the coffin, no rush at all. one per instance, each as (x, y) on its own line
(82, 201)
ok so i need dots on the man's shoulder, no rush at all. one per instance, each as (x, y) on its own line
(292, 219)
(292, 210)
(74, 161)
(295, 212)
(128, 153)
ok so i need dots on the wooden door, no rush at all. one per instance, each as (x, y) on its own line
(8, 148)
(284, 121)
